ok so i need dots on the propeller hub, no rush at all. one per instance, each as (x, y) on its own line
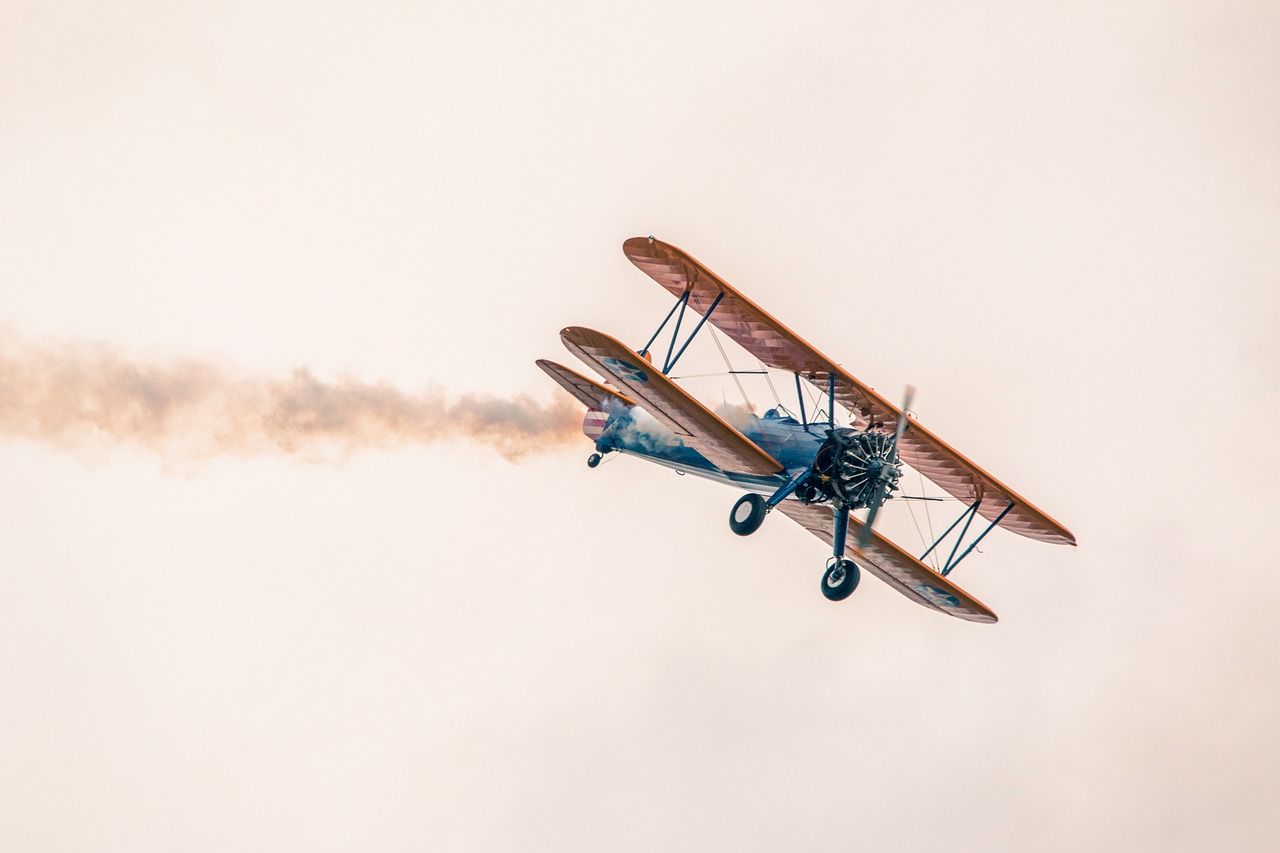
(857, 469)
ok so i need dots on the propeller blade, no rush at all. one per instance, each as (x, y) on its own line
(881, 491)
(902, 419)
(864, 535)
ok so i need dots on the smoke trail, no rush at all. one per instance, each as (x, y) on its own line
(86, 396)
(638, 429)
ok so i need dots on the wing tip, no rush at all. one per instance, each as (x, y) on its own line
(552, 368)
(1062, 536)
(573, 334)
(647, 249)
(637, 243)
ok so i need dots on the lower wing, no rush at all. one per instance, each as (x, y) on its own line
(892, 565)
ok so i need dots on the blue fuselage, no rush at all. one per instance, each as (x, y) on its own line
(782, 437)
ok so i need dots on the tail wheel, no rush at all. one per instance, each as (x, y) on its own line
(747, 514)
(840, 580)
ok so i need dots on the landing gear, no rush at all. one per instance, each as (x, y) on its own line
(747, 514)
(842, 576)
(593, 460)
(840, 579)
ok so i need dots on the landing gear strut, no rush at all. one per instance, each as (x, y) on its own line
(842, 576)
(748, 513)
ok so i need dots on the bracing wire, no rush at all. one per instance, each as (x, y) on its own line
(736, 380)
(815, 400)
(777, 401)
(928, 518)
(932, 558)
(718, 373)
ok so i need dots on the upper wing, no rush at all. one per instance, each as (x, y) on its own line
(767, 339)
(590, 393)
(694, 423)
(893, 565)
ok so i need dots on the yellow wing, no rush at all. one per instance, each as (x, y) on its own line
(892, 565)
(695, 424)
(769, 340)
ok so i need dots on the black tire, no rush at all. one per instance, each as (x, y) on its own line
(593, 460)
(840, 580)
(747, 514)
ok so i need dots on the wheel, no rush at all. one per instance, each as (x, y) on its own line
(747, 515)
(593, 460)
(840, 580)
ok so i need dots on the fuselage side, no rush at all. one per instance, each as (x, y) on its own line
(782, 437)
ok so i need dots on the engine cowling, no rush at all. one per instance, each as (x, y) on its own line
(852, 468)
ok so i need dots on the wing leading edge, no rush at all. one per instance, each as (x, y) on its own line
(773, 343)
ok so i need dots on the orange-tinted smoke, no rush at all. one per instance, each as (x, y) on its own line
(83, 396)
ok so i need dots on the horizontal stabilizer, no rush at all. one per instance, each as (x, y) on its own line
(589, 392)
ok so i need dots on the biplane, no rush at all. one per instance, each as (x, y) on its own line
(815, 471)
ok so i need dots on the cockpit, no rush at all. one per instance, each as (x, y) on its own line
(780, 415)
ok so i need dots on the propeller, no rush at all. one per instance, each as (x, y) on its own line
(886, 474)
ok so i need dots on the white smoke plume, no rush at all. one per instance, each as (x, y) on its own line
(640, 430)
(85, 397)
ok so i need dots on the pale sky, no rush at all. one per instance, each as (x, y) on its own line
(1060, 222)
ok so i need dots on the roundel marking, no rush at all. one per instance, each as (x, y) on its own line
(937, 596)
(625, 370)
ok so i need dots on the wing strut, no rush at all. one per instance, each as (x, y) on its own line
(692, 334)
(967, 517)
(804, 420)
(681, 304)
(831, 401)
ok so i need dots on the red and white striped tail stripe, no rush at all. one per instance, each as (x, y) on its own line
(594, 423)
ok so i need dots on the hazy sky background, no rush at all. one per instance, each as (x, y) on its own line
(1060, 221)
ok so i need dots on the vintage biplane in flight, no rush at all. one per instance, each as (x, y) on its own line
(815, 472)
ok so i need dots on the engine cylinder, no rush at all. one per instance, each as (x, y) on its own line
(851, 467)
